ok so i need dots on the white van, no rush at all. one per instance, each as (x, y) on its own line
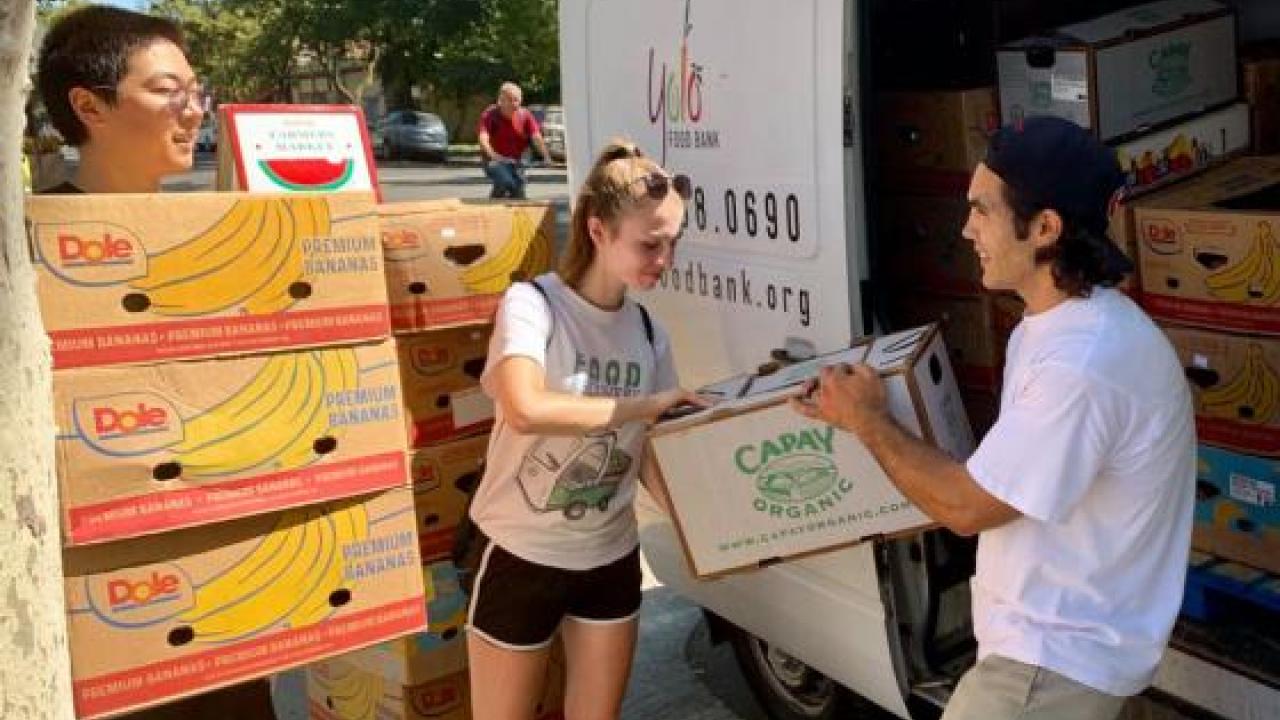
(764, 104)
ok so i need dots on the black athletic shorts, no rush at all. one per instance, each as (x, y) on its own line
(519, 605)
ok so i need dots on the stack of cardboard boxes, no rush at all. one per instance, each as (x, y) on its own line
(1159, 83)
(233, 482)
(447, 265)
(930, 141)
(1211, 275)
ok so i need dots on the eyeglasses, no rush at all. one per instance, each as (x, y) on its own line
(658, 184)
(179, 98)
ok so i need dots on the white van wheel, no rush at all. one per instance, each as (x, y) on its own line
(785, 686)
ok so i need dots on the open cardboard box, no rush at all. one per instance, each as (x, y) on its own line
(752, 482)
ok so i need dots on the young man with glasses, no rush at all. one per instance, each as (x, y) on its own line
(117, 86)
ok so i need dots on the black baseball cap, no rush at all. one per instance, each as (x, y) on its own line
(1061, 166)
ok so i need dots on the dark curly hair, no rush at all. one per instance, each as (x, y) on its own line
(90, 48)
(1078, 257)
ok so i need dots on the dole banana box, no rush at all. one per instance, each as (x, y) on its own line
(144, 278)
(449, 264)
(1235, 380)
(444, 477)
(1209, 248)
(438, 652)
(153, 619)
(751, 481)
(1237, 515)
(340, 690)
(159, 447)
(440, 372)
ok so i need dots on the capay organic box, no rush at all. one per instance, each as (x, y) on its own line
(158, 618)
(752, 482)
(1124, 72)
(127, 279)
(448, 263)
(152, 448)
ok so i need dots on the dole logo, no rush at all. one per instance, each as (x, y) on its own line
(107, 250)
(394, 238)
(124, 593)
(112, 422)
(431, 359)
(1162, 237)
(425, 475)
(128, 423)
(402, 243)
(140, 596)
(436, 699)
(91, 253)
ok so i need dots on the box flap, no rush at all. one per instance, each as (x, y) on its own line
(1139, 19)
(1236, 179)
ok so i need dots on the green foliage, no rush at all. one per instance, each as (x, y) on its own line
(249, 49)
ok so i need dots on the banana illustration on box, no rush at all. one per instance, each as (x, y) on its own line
(1252, 395)
(526, 253)
(279, 418)
(251, 258)
(1256, 278)
(351, 694)
(294, 577)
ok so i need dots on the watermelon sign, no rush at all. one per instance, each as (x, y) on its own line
(308, 174)
(294, 148)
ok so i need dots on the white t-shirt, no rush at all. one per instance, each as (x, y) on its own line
(1095, 446)
(566, 501)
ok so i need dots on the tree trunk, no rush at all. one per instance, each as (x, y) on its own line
(35, 675)
(356, 94)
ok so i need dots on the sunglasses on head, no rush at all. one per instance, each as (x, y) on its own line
(658, 184)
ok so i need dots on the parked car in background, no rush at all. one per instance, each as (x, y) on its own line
(374, 129)
(551, 118)
(412, 133)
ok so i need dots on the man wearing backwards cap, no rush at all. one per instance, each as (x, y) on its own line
(1083, 490)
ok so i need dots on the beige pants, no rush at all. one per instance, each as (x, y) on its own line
(998, 688)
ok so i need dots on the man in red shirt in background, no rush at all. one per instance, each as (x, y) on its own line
(505, 130)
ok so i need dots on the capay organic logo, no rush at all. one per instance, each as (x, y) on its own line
(795, 473)
(1172, 66)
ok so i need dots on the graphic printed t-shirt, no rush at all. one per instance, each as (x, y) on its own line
(566, 501)
(1095, 446)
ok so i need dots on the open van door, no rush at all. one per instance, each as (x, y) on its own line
(753, 100)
